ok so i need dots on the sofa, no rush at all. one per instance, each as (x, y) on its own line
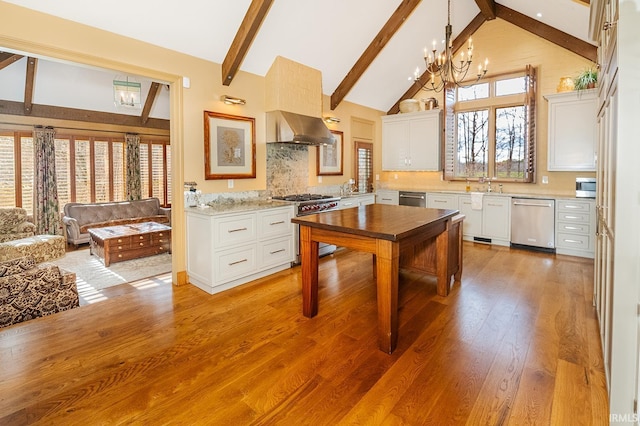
(80, 217)
(14, 224)
(29, 290)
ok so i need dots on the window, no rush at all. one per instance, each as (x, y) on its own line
(88, 169)
(491, 129)
(364, 166)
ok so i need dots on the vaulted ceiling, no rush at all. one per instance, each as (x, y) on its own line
(365, 49)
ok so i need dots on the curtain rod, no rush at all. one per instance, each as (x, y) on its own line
(80, 128)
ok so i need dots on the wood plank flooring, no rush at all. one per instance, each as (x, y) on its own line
(515, 343)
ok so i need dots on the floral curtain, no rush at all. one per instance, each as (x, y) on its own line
(134, 189)
(46, 209)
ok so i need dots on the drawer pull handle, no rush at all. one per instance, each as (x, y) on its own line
(277, 251)
(387, 199)
(348, 204)
(119, 255)
(238, 261)
(439, 201)
(277, 223)
(119, 247)
(119, 240)
(141, 244)
(572, 217)
(573, 241)
(500, 205)
(571, 227)
(571, 206)
(237, 230)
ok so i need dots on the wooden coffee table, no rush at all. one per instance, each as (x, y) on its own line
(125, 242)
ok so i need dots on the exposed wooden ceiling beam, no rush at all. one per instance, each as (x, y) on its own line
(7, 59)
(487, 8)
(380, 40)
(244, 37)
(151, 98)
(28, 84)
(562, 39)
(61, 113)
(462, 38)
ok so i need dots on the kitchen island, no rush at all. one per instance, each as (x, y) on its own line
(427, 240)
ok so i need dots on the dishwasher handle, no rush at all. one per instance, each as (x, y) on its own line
(417, 197)
(520, 203)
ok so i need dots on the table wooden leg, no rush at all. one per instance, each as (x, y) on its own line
(309, 261)
(387, 268)
(442, 262)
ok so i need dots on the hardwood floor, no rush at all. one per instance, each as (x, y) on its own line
(516, 343)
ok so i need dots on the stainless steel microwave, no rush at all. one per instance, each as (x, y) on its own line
(585, 187)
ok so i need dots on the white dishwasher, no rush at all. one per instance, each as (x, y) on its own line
(533, 223)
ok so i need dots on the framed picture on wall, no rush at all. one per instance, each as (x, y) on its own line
(329, 158)
(229, 146)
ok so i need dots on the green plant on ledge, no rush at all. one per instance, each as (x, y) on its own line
(587, 79)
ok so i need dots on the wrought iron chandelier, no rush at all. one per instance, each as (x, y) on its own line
(444, 65)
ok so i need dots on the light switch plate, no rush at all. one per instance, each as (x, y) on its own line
(319, 179)
(545, 179)
(229, 183)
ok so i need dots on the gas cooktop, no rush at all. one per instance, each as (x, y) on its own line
(303, 197)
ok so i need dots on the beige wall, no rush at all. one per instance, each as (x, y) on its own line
(510, 48)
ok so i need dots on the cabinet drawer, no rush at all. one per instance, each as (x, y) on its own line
(442, 202)
(119, 243)
(574, 241)
(573, 217)
(577, 228)
(574, 206)
(234, 263)
(275, 252)
(275, 223)
(234, 230)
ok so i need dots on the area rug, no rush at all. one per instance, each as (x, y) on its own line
(91, 271)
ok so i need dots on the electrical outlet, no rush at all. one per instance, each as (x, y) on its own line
(377, 176)
(319, 179)
(545, 179)
(395, 176)
(229, 183)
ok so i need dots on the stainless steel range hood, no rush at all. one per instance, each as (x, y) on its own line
(289, 127)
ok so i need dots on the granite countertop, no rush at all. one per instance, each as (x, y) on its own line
(496, 194)
(215, 208)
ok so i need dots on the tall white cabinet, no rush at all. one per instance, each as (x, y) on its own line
(617, 276)
(411, 142)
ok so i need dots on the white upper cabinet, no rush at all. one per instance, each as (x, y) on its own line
(411, 142)
(572, 131)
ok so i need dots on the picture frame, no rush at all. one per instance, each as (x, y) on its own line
(330, 158)
(229, 146)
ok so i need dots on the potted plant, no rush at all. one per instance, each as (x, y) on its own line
(587, 79)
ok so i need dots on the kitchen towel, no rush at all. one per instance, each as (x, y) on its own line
(476, 200)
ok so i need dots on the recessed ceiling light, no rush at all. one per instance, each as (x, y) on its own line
(539, 15)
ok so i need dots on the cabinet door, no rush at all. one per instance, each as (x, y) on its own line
(472, 225)
(572, 131)
(496, 217)
(395, 145)
(424, 142)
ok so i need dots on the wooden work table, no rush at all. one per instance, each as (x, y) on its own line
(427, 240)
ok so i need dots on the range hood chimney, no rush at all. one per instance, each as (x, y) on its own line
(289, 127)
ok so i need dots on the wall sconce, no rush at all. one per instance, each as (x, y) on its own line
(126, 92)
(331, 120)
(232, 101)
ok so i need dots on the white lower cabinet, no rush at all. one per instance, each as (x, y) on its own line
(575, 227)
(491, 224)
(496, 219)
(226, 250)
(356, 201)
(387, 196)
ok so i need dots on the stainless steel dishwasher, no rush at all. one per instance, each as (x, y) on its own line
(533, 223)
(409, 198)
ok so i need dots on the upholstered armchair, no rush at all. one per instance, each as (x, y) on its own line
(14, 224)
(29, 290)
